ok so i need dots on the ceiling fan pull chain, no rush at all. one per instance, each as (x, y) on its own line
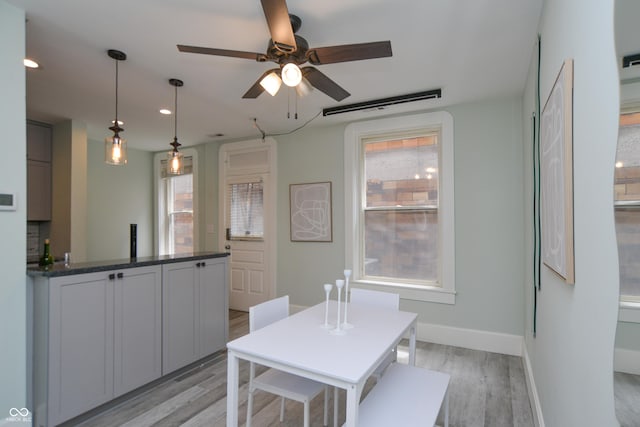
(289, 104)
(295, 94)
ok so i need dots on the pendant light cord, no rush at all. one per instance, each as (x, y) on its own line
(175, 115)
(116, 123)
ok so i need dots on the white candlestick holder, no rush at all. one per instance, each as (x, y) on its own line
(338, 330)
(346, 324)
(327, 291)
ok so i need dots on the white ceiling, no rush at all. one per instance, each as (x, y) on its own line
(472, 49)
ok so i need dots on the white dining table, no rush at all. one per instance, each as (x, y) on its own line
(300, 345)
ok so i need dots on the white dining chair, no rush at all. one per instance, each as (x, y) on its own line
(274, 381)
(385, 300)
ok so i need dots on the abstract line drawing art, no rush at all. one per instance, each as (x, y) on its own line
(311, 212)
(556, 176)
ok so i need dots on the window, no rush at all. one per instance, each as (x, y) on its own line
(627, 206)
(399, 204)
(246, 211)
(176, 207)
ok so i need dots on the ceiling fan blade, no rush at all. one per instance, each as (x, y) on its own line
(277, 15)
(257, 89)
(349, 52)
(221, 52)
(324, 83)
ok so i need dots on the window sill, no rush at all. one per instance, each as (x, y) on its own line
(410, 292)
(629, 312)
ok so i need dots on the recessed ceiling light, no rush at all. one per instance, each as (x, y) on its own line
(30, 63)
(165, 111)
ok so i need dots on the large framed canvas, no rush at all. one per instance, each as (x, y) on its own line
(311, 212)
(556, 176)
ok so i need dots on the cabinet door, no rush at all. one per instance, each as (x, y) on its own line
(39, 142)
(179, 327)
(38, 191)
(138, 327)
(213, 305)
(80, 344)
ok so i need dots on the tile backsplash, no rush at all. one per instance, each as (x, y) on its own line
(33, 241)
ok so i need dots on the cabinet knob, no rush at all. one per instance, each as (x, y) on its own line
(120, 275)
(112, 276)
(203, 264)
(198, 264)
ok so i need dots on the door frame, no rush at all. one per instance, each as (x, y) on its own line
(268, 168)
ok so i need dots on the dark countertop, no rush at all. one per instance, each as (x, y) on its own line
(59, 269)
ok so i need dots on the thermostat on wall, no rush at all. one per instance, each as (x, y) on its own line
(8, 202)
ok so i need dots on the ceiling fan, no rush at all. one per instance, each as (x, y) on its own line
(289, 51)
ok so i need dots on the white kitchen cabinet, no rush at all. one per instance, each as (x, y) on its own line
(137, 328)
(96, 336)
(73, 367)
(101, 330)
(195, 311)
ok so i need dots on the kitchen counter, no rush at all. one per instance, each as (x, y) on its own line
(100, 330)
(60, 269)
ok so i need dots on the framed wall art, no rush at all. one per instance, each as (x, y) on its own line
(310, 205)
(556, 176)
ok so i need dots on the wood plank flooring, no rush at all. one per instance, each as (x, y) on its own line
(627, 396)
(487, 389)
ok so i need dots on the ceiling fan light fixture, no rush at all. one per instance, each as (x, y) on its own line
(291, 74)
(304, 88)
(271, 83)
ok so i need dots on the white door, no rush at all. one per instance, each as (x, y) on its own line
(247, 200)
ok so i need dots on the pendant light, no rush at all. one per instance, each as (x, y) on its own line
(115, 147)
(175, 159)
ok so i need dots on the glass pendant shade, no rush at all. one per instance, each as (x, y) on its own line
(291, 74)
(175, 163)
(115, 150)
(271, 83)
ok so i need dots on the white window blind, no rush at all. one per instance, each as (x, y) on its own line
(246, 210)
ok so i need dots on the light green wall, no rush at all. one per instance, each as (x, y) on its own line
(572, 354)
(118, 196)
(489, 218)
(628, 336)
(13, 179)
(313, 155)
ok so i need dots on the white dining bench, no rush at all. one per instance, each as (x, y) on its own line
(406, 396)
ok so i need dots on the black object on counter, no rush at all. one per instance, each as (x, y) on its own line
(133, 240)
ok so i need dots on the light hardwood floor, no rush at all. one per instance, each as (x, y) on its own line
(487, 389)
(627, 396)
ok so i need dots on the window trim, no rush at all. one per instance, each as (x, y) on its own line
(160, 194)
(353, 165)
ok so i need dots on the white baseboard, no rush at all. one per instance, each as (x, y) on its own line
(534, 399)
(627, 361)
(475, 339)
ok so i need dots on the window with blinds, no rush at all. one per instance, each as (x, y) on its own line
(246, 202)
